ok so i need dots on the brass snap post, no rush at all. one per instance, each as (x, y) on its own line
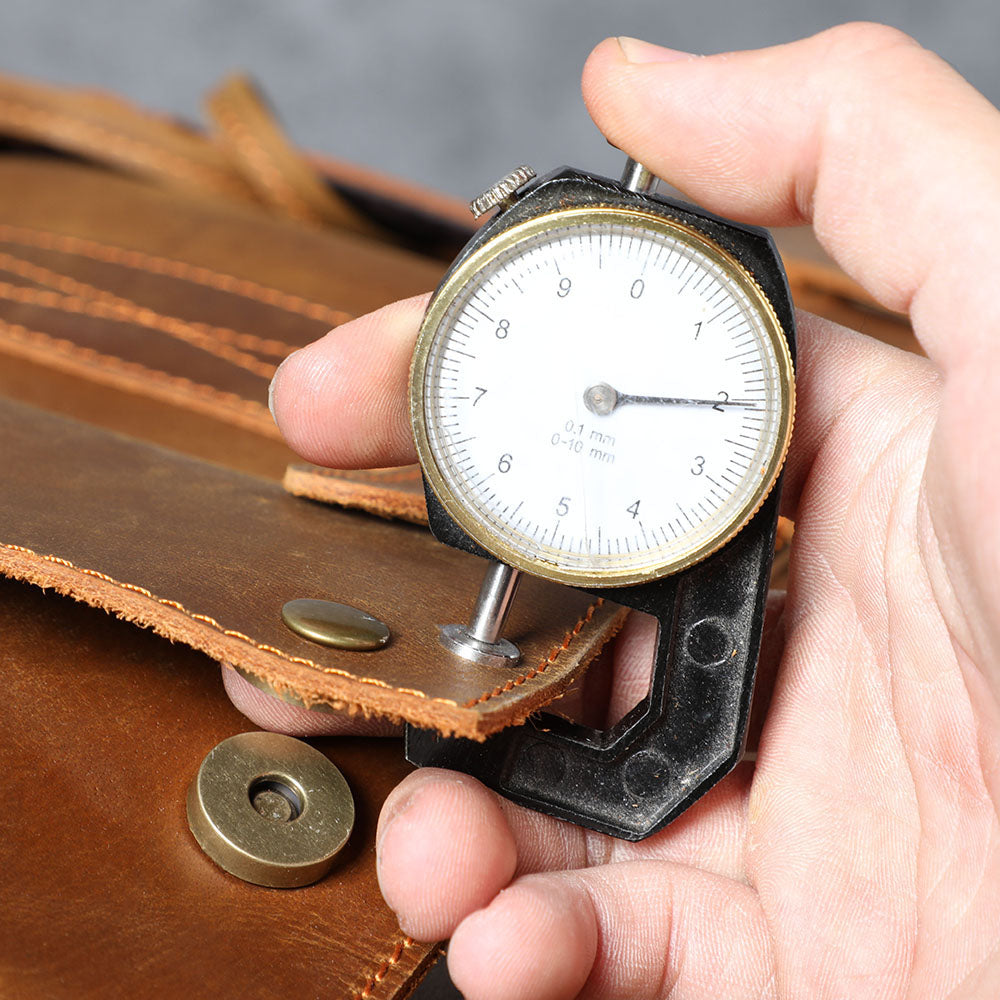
(270, 809)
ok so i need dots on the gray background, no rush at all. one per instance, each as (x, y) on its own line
(445, 92)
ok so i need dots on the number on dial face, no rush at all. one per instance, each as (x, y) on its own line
(646, 398)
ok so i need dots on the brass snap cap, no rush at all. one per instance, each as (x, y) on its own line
(333, 624)
(270, 809)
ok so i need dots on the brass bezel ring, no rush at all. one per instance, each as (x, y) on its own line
(482, 257)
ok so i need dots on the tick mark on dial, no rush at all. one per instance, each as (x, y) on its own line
(485, 316)
(729, 308)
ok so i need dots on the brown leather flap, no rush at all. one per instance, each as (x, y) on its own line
(190, 303)
(208, 556)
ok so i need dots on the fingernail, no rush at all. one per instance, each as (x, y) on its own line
(274, 382)
(638, 51)
(389, 816)
(402, 801)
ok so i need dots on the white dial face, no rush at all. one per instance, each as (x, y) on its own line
(607, 399)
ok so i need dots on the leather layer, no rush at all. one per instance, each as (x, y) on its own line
(186, 302)
(395, 492)
(208, 556)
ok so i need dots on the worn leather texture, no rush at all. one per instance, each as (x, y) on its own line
(241, 157)
(106, 279)
(152, 290)
(209, 556)
(105, 892)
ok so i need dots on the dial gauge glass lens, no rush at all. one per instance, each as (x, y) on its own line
(601, 396)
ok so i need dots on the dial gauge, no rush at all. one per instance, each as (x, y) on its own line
(601, 396)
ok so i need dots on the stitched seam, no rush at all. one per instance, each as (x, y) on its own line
(265, 169)
(140, 316)
(101, 141)
(376, 977)
(232, 633)
(305, 661)
(279, 349)
(138, 260)
(70, 286)
(229, 400)
(545, 664)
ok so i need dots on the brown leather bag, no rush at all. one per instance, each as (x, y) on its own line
(151, 278)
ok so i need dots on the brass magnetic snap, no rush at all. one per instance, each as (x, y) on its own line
(333, 624)
(270, 809)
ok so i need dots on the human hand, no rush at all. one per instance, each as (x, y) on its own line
(860, 857)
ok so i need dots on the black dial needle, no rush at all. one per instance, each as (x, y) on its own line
(602, 399)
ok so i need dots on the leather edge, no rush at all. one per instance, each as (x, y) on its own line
(476, 719)
(375, 491)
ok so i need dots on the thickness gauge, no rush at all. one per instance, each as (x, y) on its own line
(602, 395)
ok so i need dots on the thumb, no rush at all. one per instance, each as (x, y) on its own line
(877, 142)
(637, 928)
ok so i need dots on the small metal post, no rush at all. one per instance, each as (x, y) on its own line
(495, 598)
(480, 640)
(637, 178)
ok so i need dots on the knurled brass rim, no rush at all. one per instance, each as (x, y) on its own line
(453, 287)
(270, 852)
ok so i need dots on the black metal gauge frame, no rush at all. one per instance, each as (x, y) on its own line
(632, 779)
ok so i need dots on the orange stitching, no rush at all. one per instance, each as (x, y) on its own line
(122, 312)
(136, 259)
(379, 975)
(266, 170)
(232, 633)
(229, 400)
(545, 664)
(100, 141)
(70, 286)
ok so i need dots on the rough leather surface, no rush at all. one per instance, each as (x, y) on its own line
(209, 556)
(104, 891)
(395, 492)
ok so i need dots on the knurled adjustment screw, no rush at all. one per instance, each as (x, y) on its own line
(501, 195)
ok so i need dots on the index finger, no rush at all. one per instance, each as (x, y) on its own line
(342, 401)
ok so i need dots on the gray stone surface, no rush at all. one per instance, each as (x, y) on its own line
(448, 92)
